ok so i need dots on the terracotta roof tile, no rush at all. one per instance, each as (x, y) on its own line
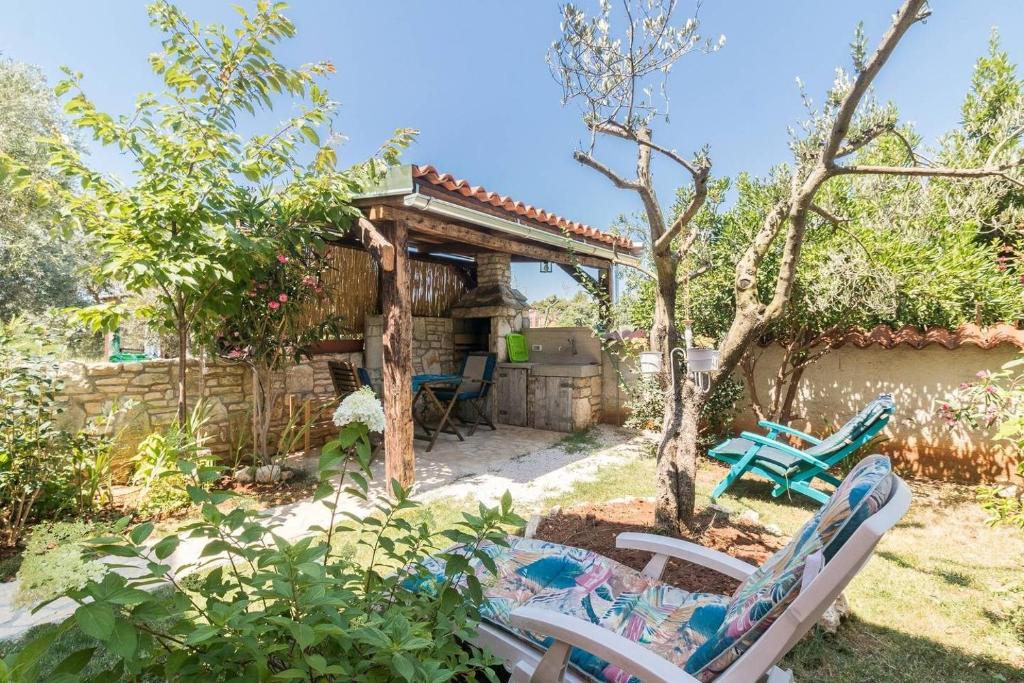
(887, 338)
(463, 187)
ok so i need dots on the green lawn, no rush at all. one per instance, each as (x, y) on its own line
(934, 603)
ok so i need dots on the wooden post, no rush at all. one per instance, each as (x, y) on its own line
(307, 414)
(396, 303)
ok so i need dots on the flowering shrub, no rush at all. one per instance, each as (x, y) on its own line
(269, 609)
(270, 326)
(996, 399)
(361, 407)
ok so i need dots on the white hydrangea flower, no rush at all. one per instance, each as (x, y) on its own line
(361, 406)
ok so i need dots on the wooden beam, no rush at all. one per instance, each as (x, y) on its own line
(454, 232)
(600, 288)
(375, 242)
(582, 277)
(396, 305)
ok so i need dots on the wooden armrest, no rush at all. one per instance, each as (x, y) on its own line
(792, 431)
(664, 547)
(572, 631)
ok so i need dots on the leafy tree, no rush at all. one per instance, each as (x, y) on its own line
(272, 326)
(191, 224)
(616, 75)
(579, 310)
(36, 271)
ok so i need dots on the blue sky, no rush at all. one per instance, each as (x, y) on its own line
(471, 76)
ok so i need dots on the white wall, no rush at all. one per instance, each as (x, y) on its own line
(920, 443)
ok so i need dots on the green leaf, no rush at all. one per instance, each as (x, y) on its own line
(311, 135)
(141, 533)
(96, 619)
(401, 664)
(74, 662)
(200, 633)
(166, 546)
(124, 640)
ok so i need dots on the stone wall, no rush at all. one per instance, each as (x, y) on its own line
(838, 385)
(92, 389)
(433, 347)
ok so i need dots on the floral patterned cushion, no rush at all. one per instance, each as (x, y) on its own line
(667, 620)
(769, 591)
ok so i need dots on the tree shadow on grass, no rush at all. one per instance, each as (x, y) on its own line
(868, 652)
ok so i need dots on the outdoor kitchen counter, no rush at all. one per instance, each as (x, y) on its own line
(560, 369)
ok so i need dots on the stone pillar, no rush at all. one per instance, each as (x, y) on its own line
(493, 269)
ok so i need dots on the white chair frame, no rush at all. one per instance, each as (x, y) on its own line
(530, 664)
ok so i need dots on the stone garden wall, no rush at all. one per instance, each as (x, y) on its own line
(433, 347)
(92, 389)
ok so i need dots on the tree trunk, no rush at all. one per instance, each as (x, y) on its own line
(263, 400)
(792, 389)
(677, 453)
(677, 459)
(182, 323)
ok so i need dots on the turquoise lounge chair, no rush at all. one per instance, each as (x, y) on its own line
(792, 469)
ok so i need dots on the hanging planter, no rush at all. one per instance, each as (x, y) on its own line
(701, 360)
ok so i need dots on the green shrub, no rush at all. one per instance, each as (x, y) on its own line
(162, 486)
(35, 454)
(268, 608)
(53, 563)
(645, 401)
(995, 400)
(44, 469)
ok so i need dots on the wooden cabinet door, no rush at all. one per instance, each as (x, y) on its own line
(552, 404)
(510, 395)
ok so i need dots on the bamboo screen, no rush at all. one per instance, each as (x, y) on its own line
(353, 288)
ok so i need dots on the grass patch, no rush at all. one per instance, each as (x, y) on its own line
(936, 603)
(580, 442)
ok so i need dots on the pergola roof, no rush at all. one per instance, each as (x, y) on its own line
(444, 211)
(449, 182)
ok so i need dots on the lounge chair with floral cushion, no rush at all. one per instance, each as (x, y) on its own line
(555, 613)
(793, 469)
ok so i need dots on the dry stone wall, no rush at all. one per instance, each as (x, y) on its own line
(433, 347)
(91, 390)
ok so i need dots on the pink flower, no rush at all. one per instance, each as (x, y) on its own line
(309, 281)
(281, 258)
(982, 374)
(282, 297)
(238, 334)
(273, 305)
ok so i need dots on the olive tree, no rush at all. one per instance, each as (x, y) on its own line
(616, 74)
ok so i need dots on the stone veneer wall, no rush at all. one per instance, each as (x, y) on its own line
(433, 346)
(91, 389)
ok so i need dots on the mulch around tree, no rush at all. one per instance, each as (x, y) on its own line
(595, 526)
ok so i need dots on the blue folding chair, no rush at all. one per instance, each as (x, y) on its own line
(792, 469)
